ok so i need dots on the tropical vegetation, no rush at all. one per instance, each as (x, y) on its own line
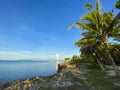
(98, 27)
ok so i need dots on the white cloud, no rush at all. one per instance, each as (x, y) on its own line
(8, 55)
(39, 54)
(28, 55)
(26, 52)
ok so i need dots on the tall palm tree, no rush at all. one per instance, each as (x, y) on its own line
(102, 26)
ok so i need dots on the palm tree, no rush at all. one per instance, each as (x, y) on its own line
(102, 26)
(89, 47)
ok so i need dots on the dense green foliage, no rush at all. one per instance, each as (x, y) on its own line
(117, 5)
(115, 51)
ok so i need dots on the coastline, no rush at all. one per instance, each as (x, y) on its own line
(61, 79)
(69, 77)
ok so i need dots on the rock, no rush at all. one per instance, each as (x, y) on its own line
(61, 66)
(111, 73)
(66, 84)
(61, 80)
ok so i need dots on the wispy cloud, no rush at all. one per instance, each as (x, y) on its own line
(40, 54)
(28, 55)
(26, 52)
(64, 52)
(8, 55)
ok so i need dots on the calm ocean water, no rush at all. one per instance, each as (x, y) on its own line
(14, 70)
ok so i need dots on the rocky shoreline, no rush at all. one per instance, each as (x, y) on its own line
(61, 80)
(69, 77)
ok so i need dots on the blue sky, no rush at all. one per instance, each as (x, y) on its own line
(38, 29)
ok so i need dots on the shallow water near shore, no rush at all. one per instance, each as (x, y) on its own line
(15, 70)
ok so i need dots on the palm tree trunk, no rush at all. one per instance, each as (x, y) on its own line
(99, 62)
(117, 71)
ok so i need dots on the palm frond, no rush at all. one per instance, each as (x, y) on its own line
(114, 22)
(98, 6)
(89, 34)
(84, 26)
(88, 6)
(85, 41)
(70, 26)
(93, 18)
(117, 5)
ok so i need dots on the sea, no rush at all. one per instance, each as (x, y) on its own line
(23, 69)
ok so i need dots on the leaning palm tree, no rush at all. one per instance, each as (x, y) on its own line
(90, 47)
(103, 26)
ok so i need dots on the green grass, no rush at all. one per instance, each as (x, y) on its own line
(96, 80)
(100, 81)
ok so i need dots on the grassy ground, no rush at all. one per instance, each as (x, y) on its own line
(96, 80)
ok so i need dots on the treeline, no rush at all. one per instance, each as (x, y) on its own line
(88, 56)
